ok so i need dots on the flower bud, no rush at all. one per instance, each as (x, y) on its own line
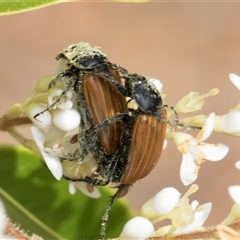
(66, 120)
(137, 228)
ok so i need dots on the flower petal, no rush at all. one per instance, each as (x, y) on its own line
(82, 187)
(194, 204)
(235, 79)
(234, 192)
(44, 120)
(157, 83)
(190, 102)
(53, 163)
(199, 219)
(38, 136)
(237, 165)
(53, 134)
(214, 152)
(207, 128)
(231, 122)
(71, 188)
(188, 169)
(3, 216)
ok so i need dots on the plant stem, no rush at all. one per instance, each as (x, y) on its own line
(6, 123)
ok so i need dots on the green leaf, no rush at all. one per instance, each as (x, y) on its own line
(44, 206)
(16, 6)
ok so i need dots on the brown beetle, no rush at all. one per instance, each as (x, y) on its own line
(142, 140)
(97, 97)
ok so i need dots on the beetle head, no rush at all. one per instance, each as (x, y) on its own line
(144, 93)
(83, 56)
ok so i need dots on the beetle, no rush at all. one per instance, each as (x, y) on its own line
(142, 139)
(97, 100)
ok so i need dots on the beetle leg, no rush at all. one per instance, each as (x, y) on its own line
(118, 86)
(118, 117)
(90, 180)
(121, 189)
(92, 134)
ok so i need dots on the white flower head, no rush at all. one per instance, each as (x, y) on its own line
(168, 204)
(195, 151)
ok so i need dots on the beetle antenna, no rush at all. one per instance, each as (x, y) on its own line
(177, 123)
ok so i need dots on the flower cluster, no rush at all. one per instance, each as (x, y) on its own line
(167, 204)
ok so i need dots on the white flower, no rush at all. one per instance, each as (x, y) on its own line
(137, 228)
(193, 101)
(50, 157)
(168, 204)
(195, 151)
(64, 103)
